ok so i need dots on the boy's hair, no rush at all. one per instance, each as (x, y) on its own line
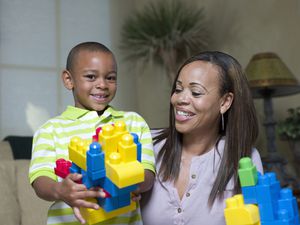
(84, 46)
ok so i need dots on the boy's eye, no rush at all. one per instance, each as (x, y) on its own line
(111, 78)
(90, 76)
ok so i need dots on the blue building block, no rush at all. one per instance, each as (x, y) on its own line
(268, 211)
(249, 194)
(75, 169)
(89, 182)
(95, 162)
(95, 157)
(112, 203)
(124, 200)
(266, 197)
(113, 190)
(288, 202)
(283, 219)
(109, 204)
(138, 146)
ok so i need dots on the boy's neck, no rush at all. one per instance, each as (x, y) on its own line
(102, 111)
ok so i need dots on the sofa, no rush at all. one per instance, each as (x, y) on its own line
(19, 205)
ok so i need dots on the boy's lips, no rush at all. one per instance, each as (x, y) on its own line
(100, 97)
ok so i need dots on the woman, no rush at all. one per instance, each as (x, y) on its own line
(212, 125)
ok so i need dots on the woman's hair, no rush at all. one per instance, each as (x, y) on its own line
(241, 126)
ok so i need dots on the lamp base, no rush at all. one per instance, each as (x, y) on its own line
(275, 163)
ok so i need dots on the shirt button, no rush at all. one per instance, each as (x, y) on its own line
(179, 210)
(187, 194)
(193, 176)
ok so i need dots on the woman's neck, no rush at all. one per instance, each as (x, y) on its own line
(197, 145)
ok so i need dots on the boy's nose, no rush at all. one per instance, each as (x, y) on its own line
(101, 83)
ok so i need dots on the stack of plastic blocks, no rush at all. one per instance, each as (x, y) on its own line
(112, 162)
(276, 205)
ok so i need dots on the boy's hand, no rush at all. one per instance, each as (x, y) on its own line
(78, 215)
(136, 195)
(74, 194)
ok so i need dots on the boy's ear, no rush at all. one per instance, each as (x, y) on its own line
(67, 79)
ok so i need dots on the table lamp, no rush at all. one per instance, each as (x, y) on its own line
(269, 77)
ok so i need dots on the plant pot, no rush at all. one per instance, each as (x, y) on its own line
(295, 147)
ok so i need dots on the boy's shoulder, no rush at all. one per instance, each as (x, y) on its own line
(53, 122)
(125, 114)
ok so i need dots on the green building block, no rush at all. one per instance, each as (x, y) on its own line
(247, 172)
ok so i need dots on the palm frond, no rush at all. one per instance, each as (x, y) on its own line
(162, 28)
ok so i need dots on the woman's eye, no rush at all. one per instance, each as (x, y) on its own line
(177, 90)
(196, 94)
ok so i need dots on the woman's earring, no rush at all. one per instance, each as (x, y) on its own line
(222, 121)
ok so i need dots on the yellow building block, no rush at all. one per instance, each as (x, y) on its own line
(93, 216)
(77, 151)
(123, 174)
(237, 213)
(110, 136)
(127, 148)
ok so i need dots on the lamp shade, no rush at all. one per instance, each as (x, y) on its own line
(266, 72)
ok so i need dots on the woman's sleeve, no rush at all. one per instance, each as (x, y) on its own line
(257, 161)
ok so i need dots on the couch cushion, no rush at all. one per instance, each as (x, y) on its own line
(33, 209)
(21, 146)
(10, 211)
(5, 151)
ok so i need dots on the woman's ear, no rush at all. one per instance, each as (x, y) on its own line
(227, 100)
(67, 79)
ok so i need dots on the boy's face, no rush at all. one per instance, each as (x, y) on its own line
(93, 80)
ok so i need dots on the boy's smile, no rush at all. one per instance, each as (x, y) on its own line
(93, 80)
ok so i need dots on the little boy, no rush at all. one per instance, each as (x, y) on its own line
(91, 74)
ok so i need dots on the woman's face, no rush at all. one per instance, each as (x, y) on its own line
(197, 102)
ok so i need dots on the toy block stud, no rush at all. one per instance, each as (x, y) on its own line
(288, 202)
(108, 140)
(95, 157)
(247, 172)
(120, 127)
(77, 152)
(127, 148)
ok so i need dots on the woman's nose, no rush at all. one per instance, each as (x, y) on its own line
(183, 98)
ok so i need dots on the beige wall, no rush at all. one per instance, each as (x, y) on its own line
(240, 28)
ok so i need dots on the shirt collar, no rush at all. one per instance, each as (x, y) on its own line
(74, 113)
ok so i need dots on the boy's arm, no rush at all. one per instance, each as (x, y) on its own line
(68, 191)
(148, 182)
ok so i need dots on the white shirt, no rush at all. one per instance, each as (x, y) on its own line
(163, 206)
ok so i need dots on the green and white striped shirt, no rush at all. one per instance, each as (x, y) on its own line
(51, 142)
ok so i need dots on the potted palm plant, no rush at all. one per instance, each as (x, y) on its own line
(289, 129)
(166, 33)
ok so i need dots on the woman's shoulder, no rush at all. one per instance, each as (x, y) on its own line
(256, 159)
(157, 144)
